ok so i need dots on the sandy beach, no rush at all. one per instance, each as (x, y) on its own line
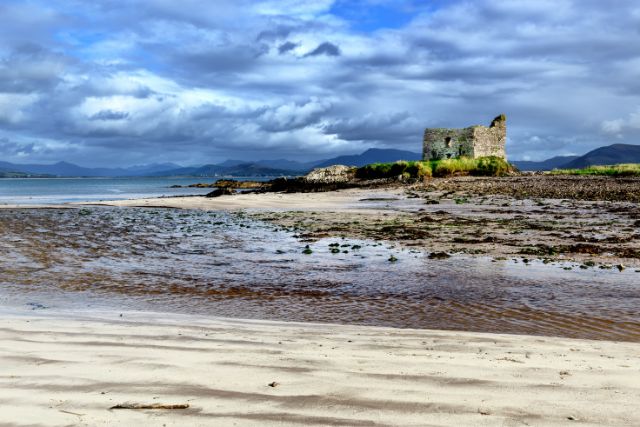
(62, 368)
(262, 201)
(65, 363)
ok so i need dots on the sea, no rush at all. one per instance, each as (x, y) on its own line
(41, 191)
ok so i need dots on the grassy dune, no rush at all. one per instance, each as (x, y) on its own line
(483, 166)
(628, 169)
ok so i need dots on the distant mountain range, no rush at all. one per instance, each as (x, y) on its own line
(612, 154)
(543, 165)
(278, 167)
(372, 155)
(609, 155)
(64, 169)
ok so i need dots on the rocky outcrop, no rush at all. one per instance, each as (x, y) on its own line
(223, 191)
(331, 174)
(331, 178)
(225, 183)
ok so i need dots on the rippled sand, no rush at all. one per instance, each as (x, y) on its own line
(227, 264)
(70, 368)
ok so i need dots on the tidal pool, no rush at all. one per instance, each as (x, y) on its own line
(225, 264)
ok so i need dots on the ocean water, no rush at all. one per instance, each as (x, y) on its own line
(37, 191)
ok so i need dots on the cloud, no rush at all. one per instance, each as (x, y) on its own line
(109, 115)
(618, 127)
(13, 107)
(293, 115)
(286, 47)
(155, 80)
(325, 48)
(613, 127)
(14, 149)
(379, 129)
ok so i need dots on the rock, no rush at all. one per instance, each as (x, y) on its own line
(331, 174)
(439, 255)
(232, 183)
(331, 178)
(225, 191)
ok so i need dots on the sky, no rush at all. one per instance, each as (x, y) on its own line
(118, 83)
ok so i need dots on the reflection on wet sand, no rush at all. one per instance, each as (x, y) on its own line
(225, 264)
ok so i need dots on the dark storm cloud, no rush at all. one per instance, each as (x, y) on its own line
(30, 68)
(109, 115)
(381, 129)
(280, 32)
(286, 47)
(155, 80)
(325, 48)
(12, 148)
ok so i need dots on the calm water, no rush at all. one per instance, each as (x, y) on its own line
(225, 264)
(35, 191)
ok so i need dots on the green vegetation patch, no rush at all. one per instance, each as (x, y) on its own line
(483, 166)
(414, 169)
(626, 169)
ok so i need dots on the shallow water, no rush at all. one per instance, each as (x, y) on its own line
(224, 264)
(33, 191)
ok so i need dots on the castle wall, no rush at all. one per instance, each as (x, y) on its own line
(490, 141)
(474, 142)
(440, 143)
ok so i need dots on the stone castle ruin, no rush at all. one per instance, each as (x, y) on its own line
(474, 141)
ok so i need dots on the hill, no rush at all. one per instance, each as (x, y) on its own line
(283, 167)
(65, 169)
(373, 155)
(229, 168)
(544, 165)
(609, 155)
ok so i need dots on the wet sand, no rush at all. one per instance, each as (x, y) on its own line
(344, 199)
(70, 368)
(499, 218)
(230, 264)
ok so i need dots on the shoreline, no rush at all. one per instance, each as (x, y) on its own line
(451, 215)
(501, 218)
(321, 374)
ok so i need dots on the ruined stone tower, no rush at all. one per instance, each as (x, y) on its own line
(474, 141)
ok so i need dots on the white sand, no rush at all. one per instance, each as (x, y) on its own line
(70, 368)
(343, 199)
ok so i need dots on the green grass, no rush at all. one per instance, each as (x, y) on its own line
(414, 169)
(628, 169)
(483, 166)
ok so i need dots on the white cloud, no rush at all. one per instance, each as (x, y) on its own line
(613, 127)
(13, 106)
(619, 126)
(292, 7)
